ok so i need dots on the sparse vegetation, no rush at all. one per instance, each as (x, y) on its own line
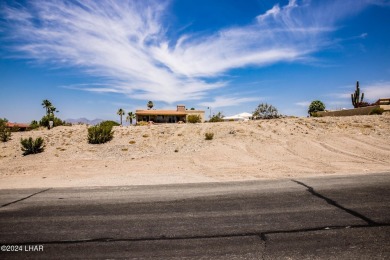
(31, 146)
(142, 123)
(50, 109)
(377, 111)
(316, 106)
(100, 134)
(265, 111)
(217, 118)
(5, 132)
(46, 119)
(145, 136)
(209, 136)
(34, 124)
(132, 142)
(193, 119)
(109, 123)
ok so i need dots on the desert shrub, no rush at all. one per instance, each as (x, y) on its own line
(34, 124)
(142, 123)
(217, 118)
(193, 119)
(5, 132)
(266, 111)
(145, 136)
(100, 134)
(316, 106)
(46, 119)
(31, 146)
(377, 111)
(109, 123)
(132, 142)
(209, 136)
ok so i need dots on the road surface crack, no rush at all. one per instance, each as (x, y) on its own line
(335, 204)
(16, 201)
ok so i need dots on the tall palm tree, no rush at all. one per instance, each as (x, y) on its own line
(52, 109)
(150, 105)
(47, 105)
(121, 112)
(130, 117)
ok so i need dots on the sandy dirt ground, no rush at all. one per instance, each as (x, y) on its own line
(179, 153)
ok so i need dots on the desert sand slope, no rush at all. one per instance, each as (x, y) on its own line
(179, 153)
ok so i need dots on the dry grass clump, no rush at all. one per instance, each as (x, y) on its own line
(209, 136)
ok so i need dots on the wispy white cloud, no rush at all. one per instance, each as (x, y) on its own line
(225, 101)
(377, 90)
(303, 103)
(372, 92)
(125, 44)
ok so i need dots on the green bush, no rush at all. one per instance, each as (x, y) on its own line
(377, 111)
(109, 123)
(100, 134)
(46, 119)
(193, 119)
(316, 106)
(34, 124)
(209, 136)
(5, 132)
(31, 146)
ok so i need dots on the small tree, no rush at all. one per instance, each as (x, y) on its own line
(150, 105)
(121, 112)
(316, 106)
(5, 132)
(265, 111)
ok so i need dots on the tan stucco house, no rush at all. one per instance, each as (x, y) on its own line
(168, 116)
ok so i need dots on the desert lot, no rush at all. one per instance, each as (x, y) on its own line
(179, 153)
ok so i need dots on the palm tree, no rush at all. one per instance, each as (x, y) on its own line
(150, 105)
(130, 117)
(52, 109)
(121, 112)
(47, 105)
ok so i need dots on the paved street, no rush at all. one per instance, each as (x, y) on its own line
(326, 217)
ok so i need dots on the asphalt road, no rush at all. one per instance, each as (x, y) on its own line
(307, 218)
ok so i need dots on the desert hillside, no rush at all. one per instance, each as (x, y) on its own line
(175, 153)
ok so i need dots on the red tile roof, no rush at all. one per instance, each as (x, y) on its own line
(19, 125)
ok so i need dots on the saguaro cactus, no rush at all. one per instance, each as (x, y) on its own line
(355, 96)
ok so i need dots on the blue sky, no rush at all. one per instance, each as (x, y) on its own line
(90, 58)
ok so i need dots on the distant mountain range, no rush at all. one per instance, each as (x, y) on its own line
(84, 121)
